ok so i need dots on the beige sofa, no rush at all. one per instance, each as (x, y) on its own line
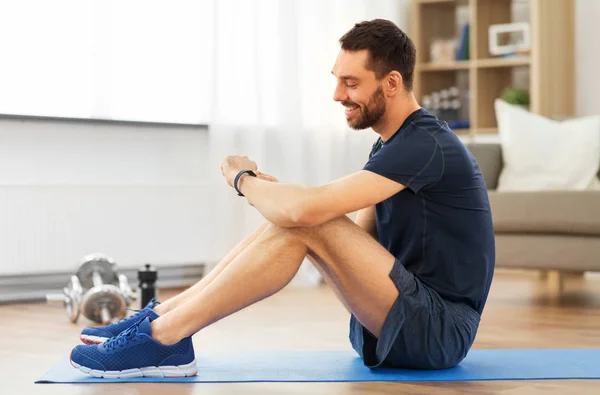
(541, 230)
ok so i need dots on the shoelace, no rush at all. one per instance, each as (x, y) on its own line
(121, 339)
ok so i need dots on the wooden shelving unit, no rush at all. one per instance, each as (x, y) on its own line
(547, 71)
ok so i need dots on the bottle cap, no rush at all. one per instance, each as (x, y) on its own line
(147, 273)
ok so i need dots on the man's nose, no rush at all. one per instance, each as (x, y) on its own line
(339, 94)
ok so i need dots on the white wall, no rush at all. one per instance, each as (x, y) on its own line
(587, 57)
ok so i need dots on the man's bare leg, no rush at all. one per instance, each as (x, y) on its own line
(177, 300)
(357, 264)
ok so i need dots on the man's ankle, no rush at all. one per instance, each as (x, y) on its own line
(162, 309)
(161, 334)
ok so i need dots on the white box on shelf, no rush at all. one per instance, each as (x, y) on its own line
(496, 32)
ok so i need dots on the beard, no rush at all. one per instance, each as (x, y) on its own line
(371, 113)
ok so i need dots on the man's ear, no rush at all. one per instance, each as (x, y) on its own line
(393, 83)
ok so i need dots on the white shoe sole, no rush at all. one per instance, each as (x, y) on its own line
(88, 339)
(151, 371)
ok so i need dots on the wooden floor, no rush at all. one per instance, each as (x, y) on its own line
(521, 312)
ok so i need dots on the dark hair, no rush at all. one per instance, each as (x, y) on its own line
(389, 48)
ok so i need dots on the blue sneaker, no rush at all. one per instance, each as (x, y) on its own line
(134, 353)
(97, 335)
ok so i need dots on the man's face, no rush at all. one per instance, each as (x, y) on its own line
(358, 90)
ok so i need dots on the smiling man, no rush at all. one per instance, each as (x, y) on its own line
(413, 270)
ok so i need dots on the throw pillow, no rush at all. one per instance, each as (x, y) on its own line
(541, 154)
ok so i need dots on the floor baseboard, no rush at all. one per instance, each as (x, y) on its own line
(35, 287)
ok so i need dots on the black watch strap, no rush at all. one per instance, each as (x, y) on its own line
(237, 178)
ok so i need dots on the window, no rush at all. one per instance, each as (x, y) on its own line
(134, 60)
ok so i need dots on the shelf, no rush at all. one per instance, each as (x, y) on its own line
(434, 1)
(461, 131)
(502, 62)
(457, 65)
(478, 63)
(475, 131)
(486, 130)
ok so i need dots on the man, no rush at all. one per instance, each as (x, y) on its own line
(414, 270)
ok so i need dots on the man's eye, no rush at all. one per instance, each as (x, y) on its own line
(351, 86)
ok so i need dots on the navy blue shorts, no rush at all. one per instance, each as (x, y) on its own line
(421, 331)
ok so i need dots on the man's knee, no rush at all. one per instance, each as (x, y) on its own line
(287, 234)
(329, 226)
(308, 233)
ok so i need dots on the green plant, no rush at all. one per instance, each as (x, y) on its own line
(515, 96)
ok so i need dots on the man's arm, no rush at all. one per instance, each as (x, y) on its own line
(290, 205)
(366, 220)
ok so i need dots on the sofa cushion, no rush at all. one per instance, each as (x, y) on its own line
(548, 252)
(541, 154)
(489, 158)
(551, 212)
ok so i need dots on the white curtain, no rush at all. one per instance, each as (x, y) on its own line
(272, 99)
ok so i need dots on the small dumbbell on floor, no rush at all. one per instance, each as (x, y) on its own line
(96, 290)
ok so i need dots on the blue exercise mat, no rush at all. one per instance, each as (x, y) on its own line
(345, 366)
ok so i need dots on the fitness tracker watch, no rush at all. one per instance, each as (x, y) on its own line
(237, 178)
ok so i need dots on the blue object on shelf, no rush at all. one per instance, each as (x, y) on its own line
(462, 52)
(459, 124)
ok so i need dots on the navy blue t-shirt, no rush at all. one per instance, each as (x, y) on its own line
(440, 226)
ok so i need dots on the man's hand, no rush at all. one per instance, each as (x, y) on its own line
(366, 220)
(233, 164)
(266, 177)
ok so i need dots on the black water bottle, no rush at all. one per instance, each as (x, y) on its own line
(147, 276)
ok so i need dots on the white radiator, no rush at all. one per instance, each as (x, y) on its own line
(46, 229)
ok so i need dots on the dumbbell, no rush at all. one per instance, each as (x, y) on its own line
(96, 290)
